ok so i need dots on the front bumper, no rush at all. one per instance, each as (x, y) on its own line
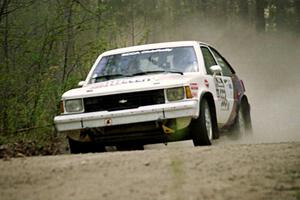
(187, 108)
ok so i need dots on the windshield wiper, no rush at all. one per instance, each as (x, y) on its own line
(155, 71)
(108, 76)
(148, 72)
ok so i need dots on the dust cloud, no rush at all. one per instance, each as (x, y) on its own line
(269, 65)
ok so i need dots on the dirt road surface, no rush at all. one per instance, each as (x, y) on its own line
(231, 171)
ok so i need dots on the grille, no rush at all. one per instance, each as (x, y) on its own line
(124, 101)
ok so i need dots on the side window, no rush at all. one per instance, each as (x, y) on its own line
(208, 59)
(226, 68)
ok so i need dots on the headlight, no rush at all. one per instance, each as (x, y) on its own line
(74, 105)
(175, 94)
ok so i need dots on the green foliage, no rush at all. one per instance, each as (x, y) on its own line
(48, 46)
(298, 194)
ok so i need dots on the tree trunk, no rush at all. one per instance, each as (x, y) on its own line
(260, 16)
(6, 71)
(3, 6)
(297, 6)
(244, 10)
(132, 23)
(280, 17)
(99, 17)
(68, 40)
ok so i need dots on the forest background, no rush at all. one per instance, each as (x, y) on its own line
(47, 47)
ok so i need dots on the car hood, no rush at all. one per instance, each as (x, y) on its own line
(129, 84)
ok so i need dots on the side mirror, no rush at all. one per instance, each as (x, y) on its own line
(81, 83)
(216, 69)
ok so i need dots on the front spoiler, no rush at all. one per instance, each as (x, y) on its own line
(160, 112)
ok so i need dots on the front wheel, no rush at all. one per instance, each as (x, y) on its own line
(202, 127)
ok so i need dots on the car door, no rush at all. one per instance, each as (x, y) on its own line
(224, 84)
(222, 94)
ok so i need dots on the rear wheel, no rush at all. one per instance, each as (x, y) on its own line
(84, 147)
(202, 127)
(243, 124)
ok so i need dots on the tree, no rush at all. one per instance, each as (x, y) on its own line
(260, 15)
(280, 17)
(46, 53)
(244, 10)
(297, 11)
(4, 66)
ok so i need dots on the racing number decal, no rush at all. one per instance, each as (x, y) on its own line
(221, 93)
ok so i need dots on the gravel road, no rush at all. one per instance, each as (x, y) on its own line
(231, 171)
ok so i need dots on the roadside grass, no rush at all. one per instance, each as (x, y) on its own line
(32, 143)
(298, 194)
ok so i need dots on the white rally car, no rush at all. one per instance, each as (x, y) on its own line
(156, 93)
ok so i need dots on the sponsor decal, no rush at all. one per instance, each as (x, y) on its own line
(121, 82)
(194, 88)
(206, 83)
(221, 93)
(146, 51)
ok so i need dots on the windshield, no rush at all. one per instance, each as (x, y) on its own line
(179, 59)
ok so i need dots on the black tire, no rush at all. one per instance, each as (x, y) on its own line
(84, 147)
(243, 124)
(202, 128)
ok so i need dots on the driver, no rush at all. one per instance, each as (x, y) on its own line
(133, 67)
(184, 60)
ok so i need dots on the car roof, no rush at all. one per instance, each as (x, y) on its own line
(152, 46)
